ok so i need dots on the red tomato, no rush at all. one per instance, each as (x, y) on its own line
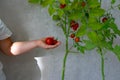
(72, 35)
(50, 41)
(72, 23)
(83, 4)
(104, 19)
(77, 39)
(62, 6)
(55, 41)
(75, 27)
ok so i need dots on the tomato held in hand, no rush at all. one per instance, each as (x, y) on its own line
(55, 41)
(50, 41)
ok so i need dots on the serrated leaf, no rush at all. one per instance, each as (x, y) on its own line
(45, 3)
(51, 10)
(114, 28)
(107, 45)
(56, 18)
(60, 12)
(81, 31)
(116, 50)
(76, 15)
(80, 48)
(62, 1)
(93, 37)
(94, 3)
(89, 45)
(34, 1)
(113, 1)
(95, 26)
(119, 6)
(97, 12)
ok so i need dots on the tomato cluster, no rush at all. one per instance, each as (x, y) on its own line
(50, 41)
(74, 26)
(76, 39)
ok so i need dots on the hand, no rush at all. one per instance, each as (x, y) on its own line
(41, 43)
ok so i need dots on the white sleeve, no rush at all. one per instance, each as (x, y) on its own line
(4, 31)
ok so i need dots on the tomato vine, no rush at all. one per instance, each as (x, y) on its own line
(89, 25)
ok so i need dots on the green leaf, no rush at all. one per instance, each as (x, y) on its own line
(80, 47)
(107, 45)
(119, 6)
(113, 1)
(76, 15)
(115, 28)
(116, 50)
(97, 12)
(62, 1)
(74, 5)
(56, 18)
(89, 45)
(81, 31)
(95, 26)
(93, 37)
(60, 12)
(51, 10)
(45, 3)
(34, 1)
(94, 3)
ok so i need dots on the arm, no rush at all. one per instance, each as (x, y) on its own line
(16, 48)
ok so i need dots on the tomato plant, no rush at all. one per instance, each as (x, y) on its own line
(93, 26)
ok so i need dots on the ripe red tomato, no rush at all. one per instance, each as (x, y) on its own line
(83, 4)
(55, 41)
(72, 23)
(50, 41)
(72, 35)
(104, 19)
(62, 6)
(75, 27)
(77, 39)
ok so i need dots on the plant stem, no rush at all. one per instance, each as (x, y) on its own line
(64, 61)
(66, 53)
(100, 2)
(102, 65)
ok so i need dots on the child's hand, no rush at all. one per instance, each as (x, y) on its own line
(48, 43)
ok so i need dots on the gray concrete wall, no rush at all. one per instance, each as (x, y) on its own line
(29, 22)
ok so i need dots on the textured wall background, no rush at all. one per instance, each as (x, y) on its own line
(29, 22)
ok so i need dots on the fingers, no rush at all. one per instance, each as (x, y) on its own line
(53, 46)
